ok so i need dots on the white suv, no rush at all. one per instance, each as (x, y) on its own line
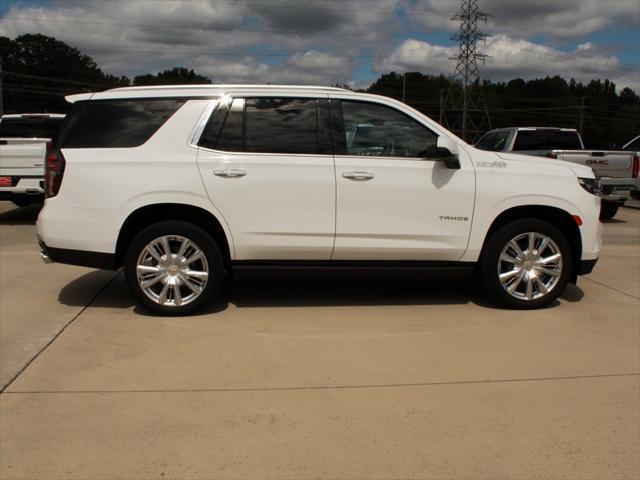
(180, 184)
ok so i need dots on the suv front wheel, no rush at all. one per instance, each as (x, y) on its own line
(526, 264)
(173, 268)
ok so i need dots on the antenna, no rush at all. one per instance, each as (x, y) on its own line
(469, 114)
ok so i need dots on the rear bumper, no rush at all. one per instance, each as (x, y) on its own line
(82, 258)
(586, 266)
(618, 189)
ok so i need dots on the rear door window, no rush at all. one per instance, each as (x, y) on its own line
(270, 125)
(115, 123)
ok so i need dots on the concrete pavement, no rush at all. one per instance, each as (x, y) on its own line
(325, 379)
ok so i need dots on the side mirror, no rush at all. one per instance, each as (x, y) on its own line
(447, 151)
(451, 160)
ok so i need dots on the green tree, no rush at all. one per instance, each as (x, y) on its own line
(175, 76)
(38, 71)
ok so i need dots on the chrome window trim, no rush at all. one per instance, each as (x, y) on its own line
(372, 157)
(261, 154)
(202, 122)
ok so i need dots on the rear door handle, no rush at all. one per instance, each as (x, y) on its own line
(359, 176)
(230, 173)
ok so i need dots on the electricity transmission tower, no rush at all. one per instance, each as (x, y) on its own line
(465, 111)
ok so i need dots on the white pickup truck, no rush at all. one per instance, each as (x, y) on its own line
(23, 147)
(617, 171)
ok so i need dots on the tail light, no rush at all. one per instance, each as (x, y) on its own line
(551, 155)
(53, 171)
(636, 165)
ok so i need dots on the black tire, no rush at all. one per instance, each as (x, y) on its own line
(488, 265)
(21, 201)
(191, 232)
(608, 210)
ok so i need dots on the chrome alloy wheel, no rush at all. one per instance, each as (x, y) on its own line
(530, 266)
(172, 271)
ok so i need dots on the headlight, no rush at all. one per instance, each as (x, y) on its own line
(591, 185)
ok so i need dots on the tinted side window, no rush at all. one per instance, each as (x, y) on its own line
(529, 140)
(564, 141)
(541, 140)
(270, 125)
(486, 142)
(31, 127)
(115, 123)
(231, 136)
(281, 125)
(380, 131)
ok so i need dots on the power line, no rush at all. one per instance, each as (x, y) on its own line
(193, 26)
(57, 80)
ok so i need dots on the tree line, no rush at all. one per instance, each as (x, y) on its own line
(38, 71)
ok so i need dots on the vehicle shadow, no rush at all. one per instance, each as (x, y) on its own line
(269, 290)
(13, 215)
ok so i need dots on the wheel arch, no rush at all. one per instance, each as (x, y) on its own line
(559, 218)
(147, 215)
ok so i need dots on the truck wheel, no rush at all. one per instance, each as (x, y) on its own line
(173, 268)
(608, 210)
(526, 264)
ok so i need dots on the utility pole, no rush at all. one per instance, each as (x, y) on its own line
(441, 116)
(1, 87)
(404, 85)
(581, 115)
(470, 114)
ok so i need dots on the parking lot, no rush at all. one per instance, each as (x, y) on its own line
(317, 378)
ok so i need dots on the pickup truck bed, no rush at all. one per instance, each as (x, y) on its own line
(617, 170)
(23, 147)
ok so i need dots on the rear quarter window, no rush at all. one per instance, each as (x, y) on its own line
(115, 123)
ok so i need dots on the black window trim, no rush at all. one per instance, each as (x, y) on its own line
(227, 105)
(339, 129)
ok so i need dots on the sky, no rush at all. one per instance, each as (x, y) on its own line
(338, 41)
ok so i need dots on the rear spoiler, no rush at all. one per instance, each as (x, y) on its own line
(78, 97)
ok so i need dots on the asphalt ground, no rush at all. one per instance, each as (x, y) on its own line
(317, 378)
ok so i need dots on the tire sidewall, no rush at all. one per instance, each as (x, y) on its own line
(493, 249)
(608, 210)
(187, 230)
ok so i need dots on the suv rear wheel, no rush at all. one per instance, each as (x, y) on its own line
(526, 264)
(173, 268)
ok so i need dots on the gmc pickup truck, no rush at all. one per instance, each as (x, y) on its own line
(617, 171)
(23, 146)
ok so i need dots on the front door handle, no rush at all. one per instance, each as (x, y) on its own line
(359, 176)
(230, 173)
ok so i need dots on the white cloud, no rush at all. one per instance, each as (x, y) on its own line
(510, 58)
(306, 41)
(524, 18)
